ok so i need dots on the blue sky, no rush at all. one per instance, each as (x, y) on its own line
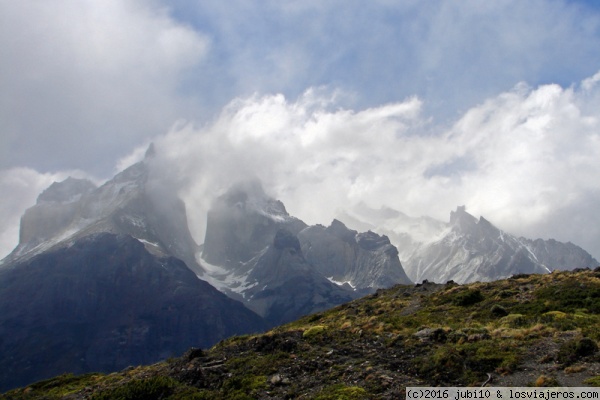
(470, 102)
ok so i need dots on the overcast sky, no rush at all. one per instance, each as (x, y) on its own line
(419, 106)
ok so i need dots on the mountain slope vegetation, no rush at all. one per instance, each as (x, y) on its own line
(526, 330)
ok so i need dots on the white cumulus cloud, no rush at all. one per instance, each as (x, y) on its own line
(526, 159)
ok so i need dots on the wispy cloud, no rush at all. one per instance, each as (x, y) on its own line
(526, 159)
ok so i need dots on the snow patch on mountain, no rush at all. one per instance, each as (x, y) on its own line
(340, 283)
(226, 281)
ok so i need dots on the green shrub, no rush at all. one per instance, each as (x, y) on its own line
(573, 350)
(594, 381)
(341, 392)
(313, 331)
(514, 320)
(155, 388)
(498, 311)
(468, 297)
(315, 317)
(446, 364)
(571, 296)
(243, 387)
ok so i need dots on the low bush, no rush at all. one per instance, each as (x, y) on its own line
(573, 350)
(155, 388)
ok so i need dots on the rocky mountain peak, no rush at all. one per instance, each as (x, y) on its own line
(69, 190)
(137, 173)
(339, 230)
(75, 208)
(150, 152)
(461, 219)
(371, 241)
(476, 250)
(249, 196)
(242, 222)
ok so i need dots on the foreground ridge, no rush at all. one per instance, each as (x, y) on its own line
(539, 330)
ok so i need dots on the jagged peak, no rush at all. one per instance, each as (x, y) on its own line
(150, 152)
(137, 172)
(462, 218)
(485, 223)
(245, 191)
(371, 241)
(340, 230)
(249, 195)
(66, 191)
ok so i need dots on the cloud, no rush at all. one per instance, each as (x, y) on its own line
(84, 82)
(526, 159)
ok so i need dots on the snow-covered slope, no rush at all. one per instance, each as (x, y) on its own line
(473, 250)
(467, 249)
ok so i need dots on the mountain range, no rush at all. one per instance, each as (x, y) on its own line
(465, 249)
(104, 277)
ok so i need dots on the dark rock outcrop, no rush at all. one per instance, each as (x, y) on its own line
(284, 286)
(104, 303)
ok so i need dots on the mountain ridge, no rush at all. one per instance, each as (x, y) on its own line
(268, 266)
(469, 249)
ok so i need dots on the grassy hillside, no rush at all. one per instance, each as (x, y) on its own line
(526, 330)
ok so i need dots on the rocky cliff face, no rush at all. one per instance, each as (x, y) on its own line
(241, 223)
(105, 302)
(283, 286)
(257, 253)
(558, 255)
(362, 260)
(130, 203)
